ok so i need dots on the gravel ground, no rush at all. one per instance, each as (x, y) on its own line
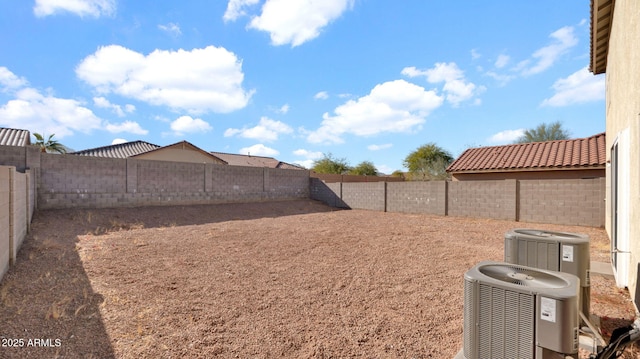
(292, 279)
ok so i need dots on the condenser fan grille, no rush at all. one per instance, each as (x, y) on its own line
(522, 276)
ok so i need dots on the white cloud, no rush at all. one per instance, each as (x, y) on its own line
(48, 114)
(456, 87)
(267, 130)
(284, 109)
(117, 141)
(187, 124)
(236, 8)
(579, 87)
(296, 22)
(545, 57)
(502, 79)
(475, 54)
(305, 163)
(311, 155)
(82, 8)
(200, 80)
(384, 169)
(502, 61)
(126, 126)
(507, 136)
(102, 102)
(322, 95)
(379, 147)
(9, 81)
(171, 28)
(259, 150)
(394, 106)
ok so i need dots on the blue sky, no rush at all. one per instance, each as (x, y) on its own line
(364, 80)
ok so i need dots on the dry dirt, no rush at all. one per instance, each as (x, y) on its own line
(282, 279)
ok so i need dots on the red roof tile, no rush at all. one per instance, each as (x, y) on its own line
(587, 152)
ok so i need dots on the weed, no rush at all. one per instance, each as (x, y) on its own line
(4, 295)
(56, 310)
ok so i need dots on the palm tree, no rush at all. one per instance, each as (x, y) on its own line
(50, 145)
(544, 132)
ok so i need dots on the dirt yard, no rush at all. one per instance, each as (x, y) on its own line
(283, 279)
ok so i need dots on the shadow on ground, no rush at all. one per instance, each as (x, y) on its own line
(48, 308)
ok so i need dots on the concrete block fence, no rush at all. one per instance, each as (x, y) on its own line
(30, 179)
(67, 181)
(16, 211)
(571, 202)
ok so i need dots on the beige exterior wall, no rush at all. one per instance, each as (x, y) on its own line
(530, 175)
(623, 118)
(178, 155)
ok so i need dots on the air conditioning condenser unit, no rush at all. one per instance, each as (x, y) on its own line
(555, 251)
(514, 311)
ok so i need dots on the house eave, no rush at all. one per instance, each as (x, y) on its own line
(601, 20)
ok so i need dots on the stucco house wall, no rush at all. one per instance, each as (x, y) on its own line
(529, 175)
(623, 129)
(179, 155)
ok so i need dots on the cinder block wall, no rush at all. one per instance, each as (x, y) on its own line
(15, 211)
(283, 183)
(163, 176)
(368, 195)
(14, 156)
(19, 212)
(78, 181)
(67, 174)
(417, 197)
(5, 204)
(574, 202)
(488, 199)
(329, 193)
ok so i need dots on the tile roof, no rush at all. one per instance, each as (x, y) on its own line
(587, 152)
(254, 161)
(14, 137)
(122, 150)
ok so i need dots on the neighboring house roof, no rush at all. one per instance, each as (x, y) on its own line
(122, 150)
(580, 153)
(601, 19)
(183, 145)
(255, 161)
(14, 137)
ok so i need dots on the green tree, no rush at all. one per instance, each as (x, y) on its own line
(397, 173)
(544, 132)
(365, 168)
(49, 145)
(428, 162)
(329, 164)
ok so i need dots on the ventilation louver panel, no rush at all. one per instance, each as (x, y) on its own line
(513, 311)
(556, 251)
